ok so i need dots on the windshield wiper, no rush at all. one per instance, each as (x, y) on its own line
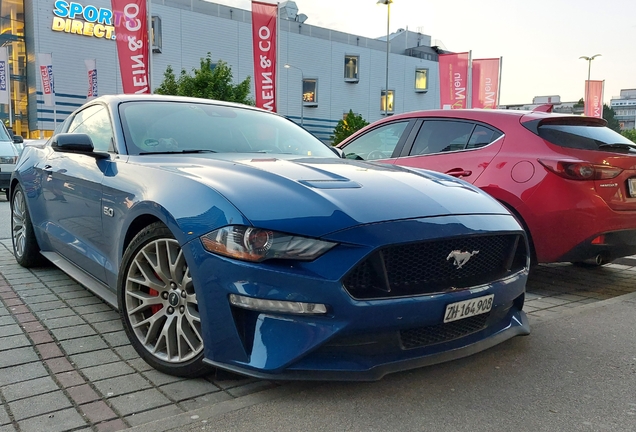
(178, 152)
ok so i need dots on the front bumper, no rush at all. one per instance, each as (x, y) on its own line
(338, 368)
(356, 339)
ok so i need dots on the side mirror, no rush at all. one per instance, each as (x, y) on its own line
(18, 139)
(75, 143)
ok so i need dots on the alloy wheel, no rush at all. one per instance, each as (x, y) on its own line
(18, 223)
(161, 304)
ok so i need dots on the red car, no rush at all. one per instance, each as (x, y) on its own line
(569, 179)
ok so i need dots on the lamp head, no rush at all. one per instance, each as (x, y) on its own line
(385, 2)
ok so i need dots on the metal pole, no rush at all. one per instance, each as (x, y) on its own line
(587, 92)
(386, 84)
(302, 98)
(150, 41)
(499, 83)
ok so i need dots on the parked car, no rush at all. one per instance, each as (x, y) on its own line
(8, 157)
(228, 236)
(569, 180)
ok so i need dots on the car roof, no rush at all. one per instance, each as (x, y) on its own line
(121, 98)
(482, 114)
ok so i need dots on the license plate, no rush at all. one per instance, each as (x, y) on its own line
(468, 308)
(632, 187)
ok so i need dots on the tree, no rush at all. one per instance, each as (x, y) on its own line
(630, 134)
(210, 81)
(347, 126)
(612, 123)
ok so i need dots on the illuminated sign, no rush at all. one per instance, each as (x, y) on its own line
(72, 17)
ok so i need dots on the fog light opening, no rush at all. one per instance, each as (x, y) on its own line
(279, 306)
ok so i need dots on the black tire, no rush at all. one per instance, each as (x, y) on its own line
(145, 311)
(25, 246)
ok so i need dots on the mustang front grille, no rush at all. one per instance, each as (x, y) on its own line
(425, 336)
(436, 266)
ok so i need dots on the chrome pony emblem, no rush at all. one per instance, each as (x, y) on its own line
(460, 257)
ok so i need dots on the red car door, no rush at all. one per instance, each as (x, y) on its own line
(459, 148)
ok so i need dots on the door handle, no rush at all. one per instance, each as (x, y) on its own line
(459, 172)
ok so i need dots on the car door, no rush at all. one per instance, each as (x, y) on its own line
(456, 147)
(380, 143)
(72, 190)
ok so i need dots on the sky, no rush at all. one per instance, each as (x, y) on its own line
(540, 40)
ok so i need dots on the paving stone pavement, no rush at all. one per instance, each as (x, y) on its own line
(66, 364)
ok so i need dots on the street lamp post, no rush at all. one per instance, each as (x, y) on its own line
(589, 70)
(386, 84)
(302, 99)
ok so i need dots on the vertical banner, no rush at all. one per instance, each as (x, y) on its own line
(485, 83)
(594, 98)
(453, 80)
(91, 70)
(264, 38)
(131, 27)
(5, 89)
(45, 64)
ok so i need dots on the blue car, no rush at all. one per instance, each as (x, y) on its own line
(229, 237)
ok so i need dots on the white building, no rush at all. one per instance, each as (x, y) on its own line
(335, 71)
(625, 108)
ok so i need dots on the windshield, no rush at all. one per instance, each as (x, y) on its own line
(191, 127)
(584, 137)
(4, 135)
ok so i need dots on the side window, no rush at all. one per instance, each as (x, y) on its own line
(438, 136)
(376, 144)
(482, 136)
(94, 122)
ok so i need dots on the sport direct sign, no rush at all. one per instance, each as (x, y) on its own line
(46, 76)
(91, 69)
(3, 76)
(72, 17)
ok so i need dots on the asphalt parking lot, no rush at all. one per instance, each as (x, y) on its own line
(66, 364)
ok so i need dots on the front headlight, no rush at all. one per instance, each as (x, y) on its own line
(8, 159)
(255, 244)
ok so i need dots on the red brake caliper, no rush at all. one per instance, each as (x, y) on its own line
(154, 308)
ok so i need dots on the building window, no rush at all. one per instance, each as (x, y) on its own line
(351, 68)
(391, 101)
(156, 34)
(421, 80)
(310, 92)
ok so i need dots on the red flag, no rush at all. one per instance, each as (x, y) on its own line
(131, 29)
(594, 98)
(485, 83)
(264, 42)
(453, 77)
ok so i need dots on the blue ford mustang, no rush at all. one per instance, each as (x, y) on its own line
(230, 237)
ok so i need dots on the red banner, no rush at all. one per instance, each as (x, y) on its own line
(131, 29)
(594, 98)
(453, 79)
(485, 83)
(264, 43)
